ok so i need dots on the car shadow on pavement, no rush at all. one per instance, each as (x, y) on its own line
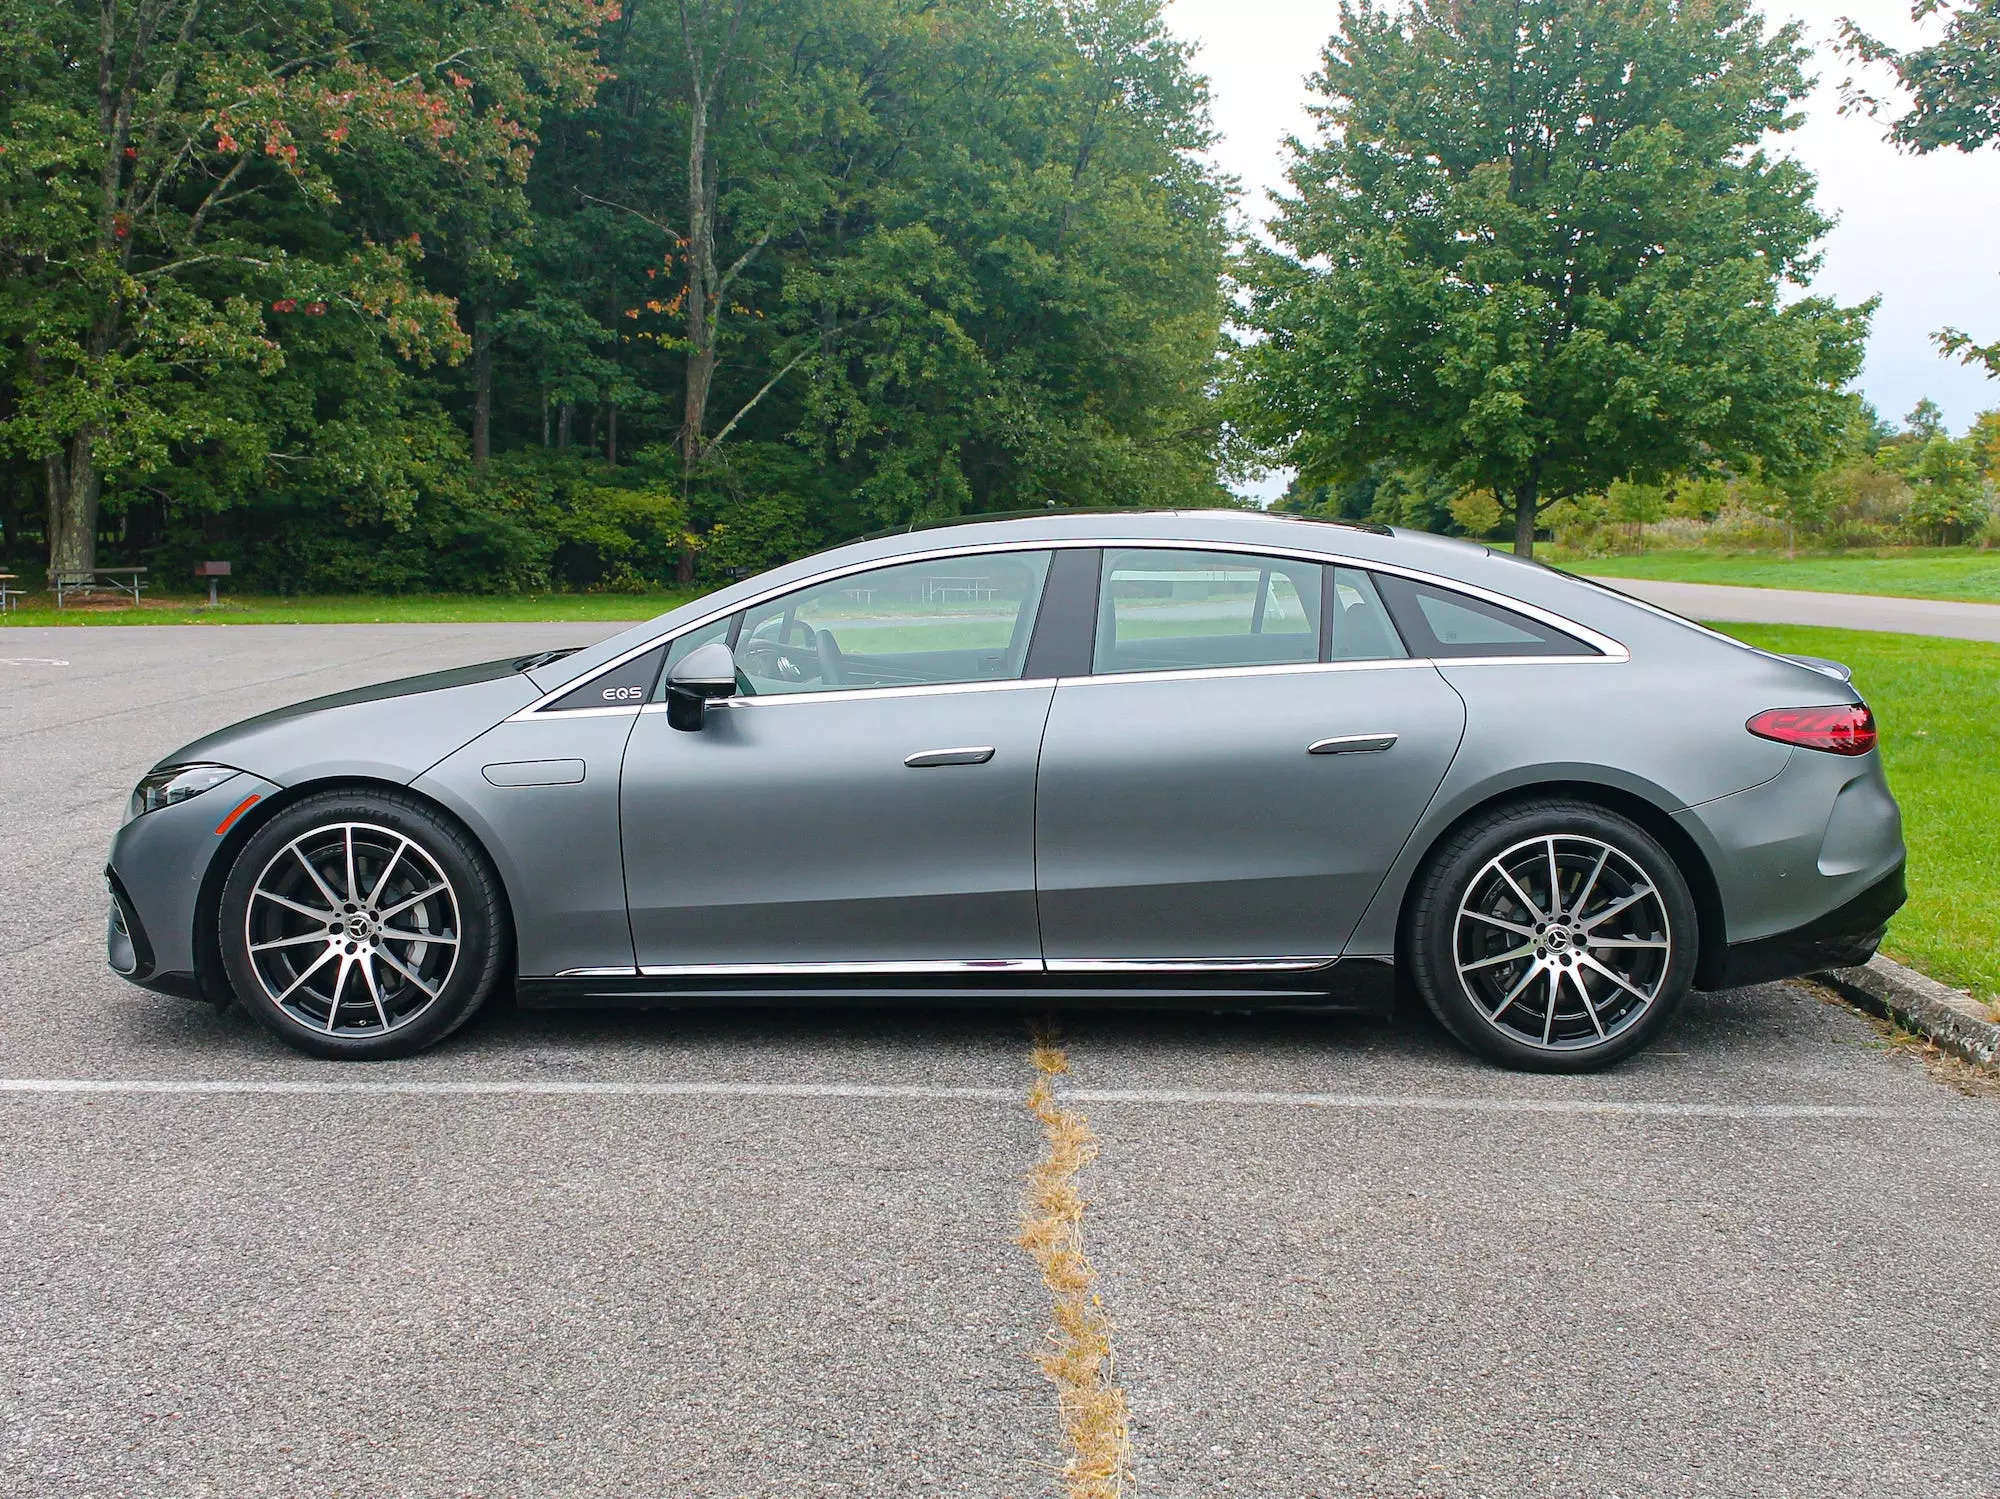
(1782, 1033)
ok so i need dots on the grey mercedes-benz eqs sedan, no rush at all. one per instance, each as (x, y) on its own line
(1215, 756)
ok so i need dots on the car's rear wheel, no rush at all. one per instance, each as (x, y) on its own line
(362, 924)
(1552, 935)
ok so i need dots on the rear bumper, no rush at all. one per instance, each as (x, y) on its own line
(1844, 937)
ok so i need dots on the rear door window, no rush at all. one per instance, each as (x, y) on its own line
(1165, 610)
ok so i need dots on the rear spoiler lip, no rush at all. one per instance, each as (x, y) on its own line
(1840, 671)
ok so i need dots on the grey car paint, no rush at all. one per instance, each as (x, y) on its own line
(556, 845)
(1787, 835)
(793, 828)
(1181, 815)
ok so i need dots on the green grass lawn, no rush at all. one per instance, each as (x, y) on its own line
(342, 609)
(1938, 705)
(1923, 573)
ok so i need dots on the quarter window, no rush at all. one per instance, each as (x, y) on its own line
(1358, 624)
(1161, 610)
(1440, 623)
(958, 619)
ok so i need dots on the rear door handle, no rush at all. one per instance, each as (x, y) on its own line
(1353, 744)
(977, 754)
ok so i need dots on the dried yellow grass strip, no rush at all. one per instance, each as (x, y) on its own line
(1077, 1357)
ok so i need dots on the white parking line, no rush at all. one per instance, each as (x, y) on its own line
(1179, 1097)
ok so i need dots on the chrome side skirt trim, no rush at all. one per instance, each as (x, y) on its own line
(1187, 965)
(781, 970)
(976, 965)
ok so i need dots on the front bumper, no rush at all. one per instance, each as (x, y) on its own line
(1845, 937)
(161, 865)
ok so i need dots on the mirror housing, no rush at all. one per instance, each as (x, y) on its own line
(706, 673)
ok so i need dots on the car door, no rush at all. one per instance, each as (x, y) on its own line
(866, 801)
(1231, 782)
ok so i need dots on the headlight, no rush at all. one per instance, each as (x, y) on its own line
(163, 788)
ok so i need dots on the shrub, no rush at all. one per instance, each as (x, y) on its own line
(1476, 512)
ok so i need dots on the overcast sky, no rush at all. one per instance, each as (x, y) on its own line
(1921, 231)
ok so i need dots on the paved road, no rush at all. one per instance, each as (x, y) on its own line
(1845, 611)
(771, 1254)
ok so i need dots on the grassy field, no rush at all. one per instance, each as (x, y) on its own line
(342, 609)
(1929, 573)
(1938, 704)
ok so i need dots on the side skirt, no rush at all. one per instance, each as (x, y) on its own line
(1350, 983)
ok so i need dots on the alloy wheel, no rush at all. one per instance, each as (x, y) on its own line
(353, 929)
(1562, 942)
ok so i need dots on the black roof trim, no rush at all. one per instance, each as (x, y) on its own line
(1047, 511)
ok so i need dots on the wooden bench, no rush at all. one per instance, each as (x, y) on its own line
(98, 580)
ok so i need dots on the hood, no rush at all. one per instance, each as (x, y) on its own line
(391, 731)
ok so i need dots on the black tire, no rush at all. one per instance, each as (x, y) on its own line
(1462, 911)
(419, 983)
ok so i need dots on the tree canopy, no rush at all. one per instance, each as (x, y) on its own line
(1953, 91)
(401, 293)
(1540, 247)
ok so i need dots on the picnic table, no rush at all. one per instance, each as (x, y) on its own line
(9, 594)
(96, 580)
(959, 591)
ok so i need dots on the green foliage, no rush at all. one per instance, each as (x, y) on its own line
(1476, 513)
(1953, 90)
(187, 185)
(1950, 503)
(1539, 248)
(489, 295)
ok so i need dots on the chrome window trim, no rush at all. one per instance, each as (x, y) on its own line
(1613, 651)
(864, 694)
(1278, 669)
(624, 710)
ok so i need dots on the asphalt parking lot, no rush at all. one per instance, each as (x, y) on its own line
(711, 1253)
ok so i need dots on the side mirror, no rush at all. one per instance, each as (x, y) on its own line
(706, 673)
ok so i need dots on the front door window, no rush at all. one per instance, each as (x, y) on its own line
(959, 619)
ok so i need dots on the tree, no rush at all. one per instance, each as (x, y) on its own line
(1926, 420)
(1539, 247)
(157, 158)
(1950, 502)
(1953, 86)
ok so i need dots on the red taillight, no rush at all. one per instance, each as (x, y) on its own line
(1848, 729)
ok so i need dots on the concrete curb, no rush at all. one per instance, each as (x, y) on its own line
(1954, 1020)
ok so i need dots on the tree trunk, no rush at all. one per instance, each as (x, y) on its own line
(1526, 495)
(482, 386)
(611, 436)
(55, 472)
(73, 509)
(565, 418)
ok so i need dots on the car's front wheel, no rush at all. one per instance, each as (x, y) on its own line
(1552, 935)
(362, 924)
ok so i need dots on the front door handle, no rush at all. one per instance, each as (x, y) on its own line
(977, 754)
(1353, 744)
